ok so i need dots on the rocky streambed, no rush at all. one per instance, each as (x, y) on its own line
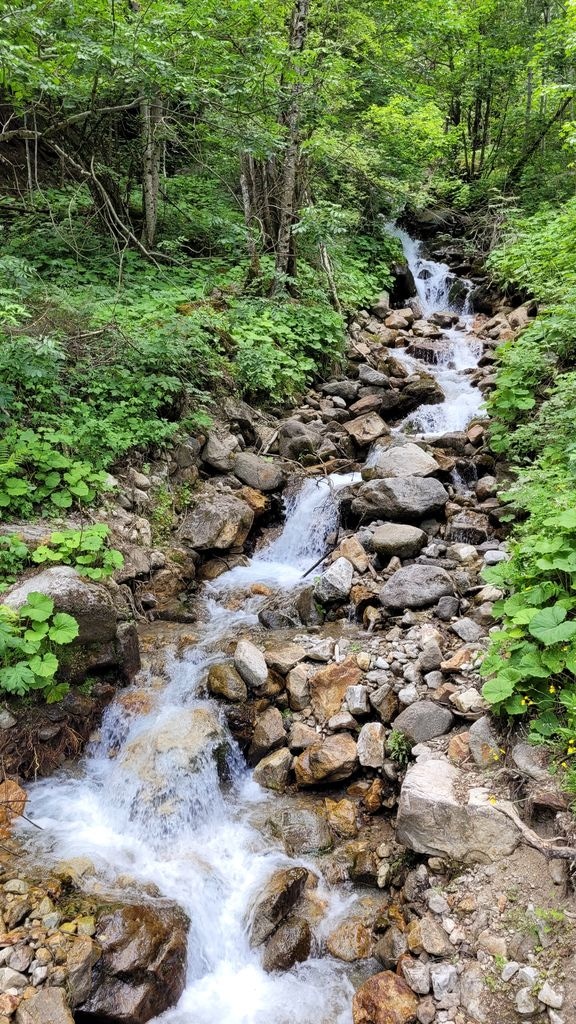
(299, 808)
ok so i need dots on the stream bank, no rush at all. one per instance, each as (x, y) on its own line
(341, 872)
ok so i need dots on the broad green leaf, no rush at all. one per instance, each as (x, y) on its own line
(549, 626)
(45, 665)
(498, 689)
(38, 607)
(64, 628)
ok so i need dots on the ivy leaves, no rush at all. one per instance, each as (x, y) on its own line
(29, 643)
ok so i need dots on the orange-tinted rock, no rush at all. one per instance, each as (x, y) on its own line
(328, 687)
(342, 817)
(350, 941)
(384, 999)
(458, 747)
(329, 761)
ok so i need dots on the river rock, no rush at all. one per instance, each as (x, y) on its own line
(351, 940)
(399, 498)
(80, 959)
(302, 827)
(345, 389)
(328, 687)
(258, 472)
(391, 947)
(181, 740)
(103, 641)
(216, 521)
(483, 743)
(290, 944)
(364, 430)
(298, 688)
(284, 657)
(397, 539)
(251, 664)
(385, 702)
(342, 817)
(416, 586)
(399, 461)
(384, 999)
(424, 391)
(272, 771)
(441, 816)
(224, 681)
(268, 734)
(142, 969)
(220, 449)
(468, 527)
(370, 745)
(301, 736)
(423, 721)
(335, 582)
(331, 760)
(48, 1006)
(278, 897)
(296, 439)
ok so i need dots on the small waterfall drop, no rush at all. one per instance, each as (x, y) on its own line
(456, 352)
(147, 804)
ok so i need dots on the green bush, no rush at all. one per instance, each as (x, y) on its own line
(30, 640)
(38, 475)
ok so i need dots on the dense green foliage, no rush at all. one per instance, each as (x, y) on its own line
(194, 199)
(30, 643)
(86, 549)
(532, 662)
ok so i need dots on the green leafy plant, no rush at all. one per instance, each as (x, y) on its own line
(14, 555)
(86, 549)
(30, 640)
(399, 746)
(37, 473)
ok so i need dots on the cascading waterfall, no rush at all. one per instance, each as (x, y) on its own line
(147, 802)
(458, 352)
(150, 806)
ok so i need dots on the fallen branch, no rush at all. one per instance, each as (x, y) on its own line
(533, 839)
(319, 560)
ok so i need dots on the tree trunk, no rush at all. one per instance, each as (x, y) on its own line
(285, 256)
(151, 114)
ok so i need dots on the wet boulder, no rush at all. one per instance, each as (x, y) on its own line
(276, 900)
(468, 527)
(297, 439)
(182, 740)
(290, 944)
(272, 771)
(217, 520)
(302, 827)
(224, 681)
(104, 640)
(142, 968)
(385, 999)
(399, 498)
(424, 391)
(416, 586)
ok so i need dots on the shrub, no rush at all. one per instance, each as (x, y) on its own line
(30, 640)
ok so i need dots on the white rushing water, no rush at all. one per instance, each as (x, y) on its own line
(459, 349)
(146, 806)
(137, 808)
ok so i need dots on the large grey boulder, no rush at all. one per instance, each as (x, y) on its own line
(103, 641)
(416, 586)
(217, 521)
(423, 721)
(257, 472)
(399, 461)
(441, 815)
(399, 498)
(220, 449)
(335, 583)
(399, 539)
